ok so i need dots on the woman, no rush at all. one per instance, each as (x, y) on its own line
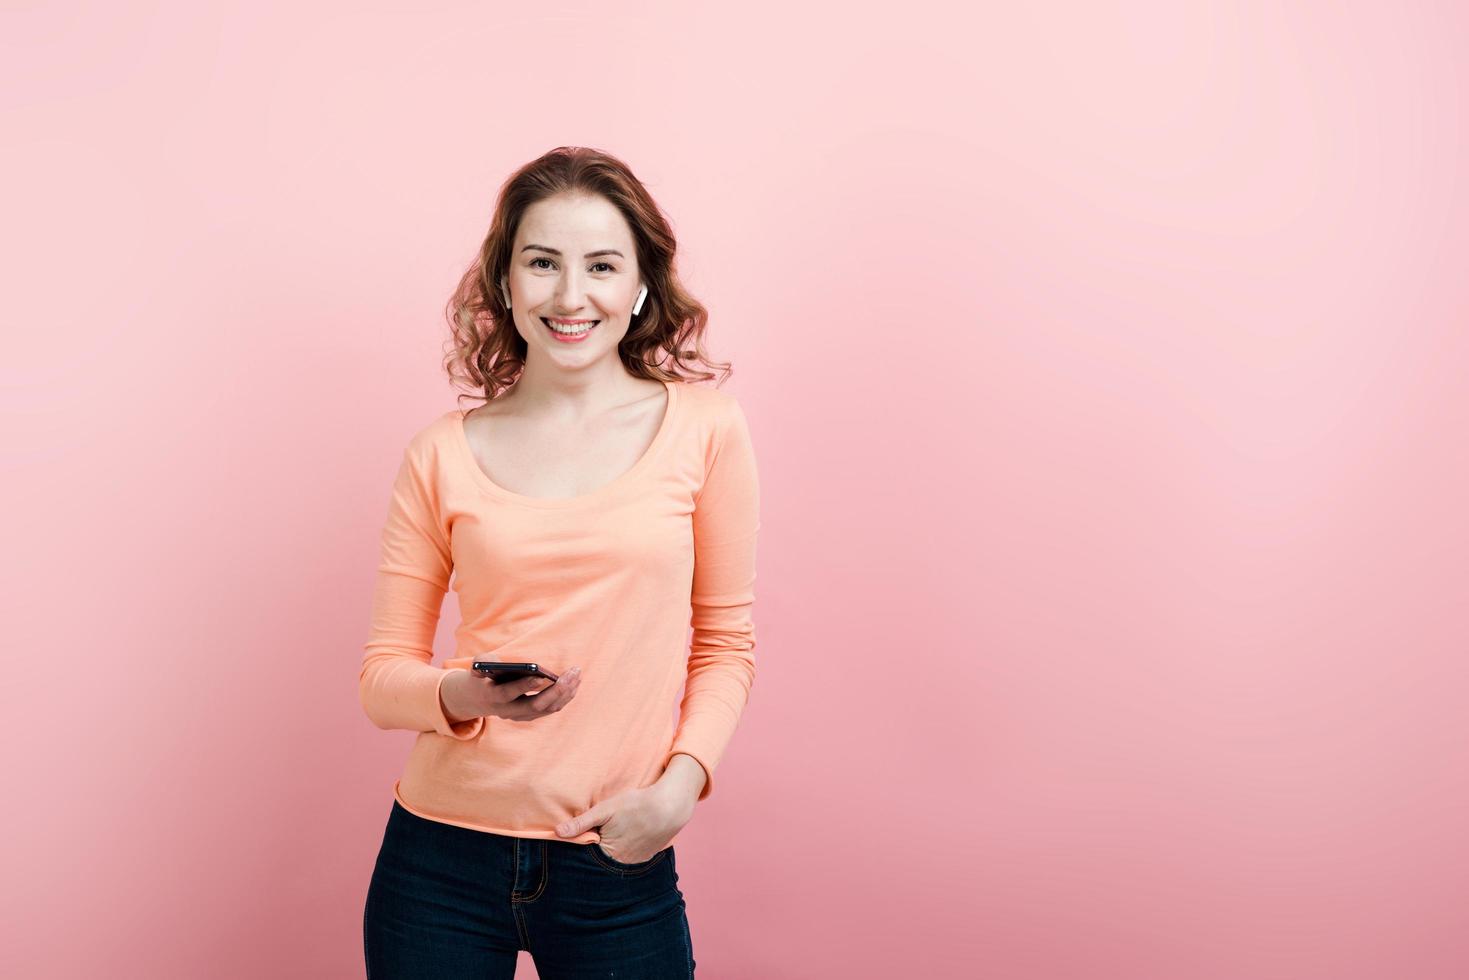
(592, 509)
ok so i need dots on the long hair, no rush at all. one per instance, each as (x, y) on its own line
(486, 354)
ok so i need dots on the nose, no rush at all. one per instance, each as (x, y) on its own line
(569, 294)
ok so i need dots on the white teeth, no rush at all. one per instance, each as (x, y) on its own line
(570, 333)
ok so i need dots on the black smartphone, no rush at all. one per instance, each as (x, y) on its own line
(505, 673)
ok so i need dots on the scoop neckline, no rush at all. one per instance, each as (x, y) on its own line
(482, 479)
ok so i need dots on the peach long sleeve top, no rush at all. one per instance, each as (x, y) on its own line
(647, 583)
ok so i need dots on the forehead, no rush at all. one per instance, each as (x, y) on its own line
(574, 221)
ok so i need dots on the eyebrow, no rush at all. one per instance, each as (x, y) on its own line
(589, 255)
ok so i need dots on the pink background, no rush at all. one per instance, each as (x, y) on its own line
(1106, 365)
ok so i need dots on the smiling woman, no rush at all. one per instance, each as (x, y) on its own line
(542, 283)
(595, 505)
(576, 202)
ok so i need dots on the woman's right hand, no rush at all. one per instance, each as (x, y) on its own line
(467, 694)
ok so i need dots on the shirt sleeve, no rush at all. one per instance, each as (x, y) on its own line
(721, 658)
(398, 684)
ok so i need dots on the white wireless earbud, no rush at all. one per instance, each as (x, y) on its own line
(638, 306)
(505, 292)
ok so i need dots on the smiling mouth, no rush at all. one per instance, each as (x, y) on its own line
(570, 329)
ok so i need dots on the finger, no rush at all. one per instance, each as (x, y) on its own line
(525, 709)
(550, 701)
(567, 686)
(591, 818)
(551, 698)
(557, 697)
(514, 689)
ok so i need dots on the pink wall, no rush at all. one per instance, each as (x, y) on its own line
(1107, 372)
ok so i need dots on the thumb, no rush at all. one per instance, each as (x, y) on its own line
(581, 822)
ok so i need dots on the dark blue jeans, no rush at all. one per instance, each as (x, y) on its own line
(447, 903)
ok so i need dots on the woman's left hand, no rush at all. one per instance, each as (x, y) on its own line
(637, 823)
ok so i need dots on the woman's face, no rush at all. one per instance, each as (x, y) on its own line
(573, 260)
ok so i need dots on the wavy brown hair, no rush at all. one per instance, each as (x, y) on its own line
(486, 354)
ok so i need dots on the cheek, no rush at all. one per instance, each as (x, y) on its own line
(529, 292)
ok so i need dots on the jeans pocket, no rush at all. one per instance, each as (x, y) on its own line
(621, 867)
